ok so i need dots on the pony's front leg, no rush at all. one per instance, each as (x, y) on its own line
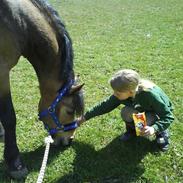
(8, 120)
(1, 133)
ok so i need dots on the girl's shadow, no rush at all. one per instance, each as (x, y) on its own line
(117, 162)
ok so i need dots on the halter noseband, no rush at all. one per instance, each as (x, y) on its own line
(51, 111)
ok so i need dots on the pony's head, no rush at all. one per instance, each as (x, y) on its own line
(61, 96)
(58, 117)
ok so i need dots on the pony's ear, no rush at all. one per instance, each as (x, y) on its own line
(75, 89)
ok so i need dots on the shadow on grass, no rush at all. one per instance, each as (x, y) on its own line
(117, 162)
(33, 161)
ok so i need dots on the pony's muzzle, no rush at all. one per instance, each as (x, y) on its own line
(63, 141)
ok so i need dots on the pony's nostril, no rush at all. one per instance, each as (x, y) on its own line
(67, 141)
(63, 141)
(57, 142)
(70, 141)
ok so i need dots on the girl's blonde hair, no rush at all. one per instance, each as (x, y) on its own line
(129, 80)
(145, 84)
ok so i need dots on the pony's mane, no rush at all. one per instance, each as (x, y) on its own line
(64, 40)
(66, 70)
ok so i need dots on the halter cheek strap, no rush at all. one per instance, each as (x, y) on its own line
(50, 111)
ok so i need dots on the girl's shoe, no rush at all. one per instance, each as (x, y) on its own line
(163, 140)
(127, 136)
(130, 132)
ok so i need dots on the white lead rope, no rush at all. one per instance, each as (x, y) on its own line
(48, 140)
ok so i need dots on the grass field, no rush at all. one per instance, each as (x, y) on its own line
(145, 35)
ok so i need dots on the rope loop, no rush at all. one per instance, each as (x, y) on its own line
(48, 140)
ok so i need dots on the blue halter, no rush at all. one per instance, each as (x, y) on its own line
(51, 111)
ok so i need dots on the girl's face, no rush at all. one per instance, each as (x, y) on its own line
(124, 95)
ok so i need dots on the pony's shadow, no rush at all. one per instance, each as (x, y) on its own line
(34, 164)
(117, 162)
(33, 160)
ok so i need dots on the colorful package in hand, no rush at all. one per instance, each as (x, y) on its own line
(140, 122)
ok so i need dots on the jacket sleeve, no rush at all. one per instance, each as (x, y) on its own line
(103, 107)
(163, 111)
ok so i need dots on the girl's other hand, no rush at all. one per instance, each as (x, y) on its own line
(148, 130)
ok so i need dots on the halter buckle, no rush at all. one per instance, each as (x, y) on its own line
(51, 110)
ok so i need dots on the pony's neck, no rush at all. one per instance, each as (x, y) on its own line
(49, 49)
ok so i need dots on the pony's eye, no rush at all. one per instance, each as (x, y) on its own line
(70, 112)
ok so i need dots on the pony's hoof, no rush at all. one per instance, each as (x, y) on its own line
(1, 133)
(1, 138)
(19, 174)
(18, 170)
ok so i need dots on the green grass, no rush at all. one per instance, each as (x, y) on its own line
(145, 35)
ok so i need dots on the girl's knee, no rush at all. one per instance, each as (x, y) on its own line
(126, 114)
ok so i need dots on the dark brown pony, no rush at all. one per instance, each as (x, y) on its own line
(33, 29)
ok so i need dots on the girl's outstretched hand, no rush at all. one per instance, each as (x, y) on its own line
(80, 120)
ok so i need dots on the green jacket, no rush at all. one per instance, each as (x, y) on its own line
(151, 100)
